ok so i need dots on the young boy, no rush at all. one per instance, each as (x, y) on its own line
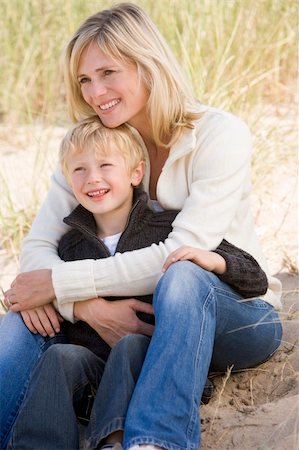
(105, 168)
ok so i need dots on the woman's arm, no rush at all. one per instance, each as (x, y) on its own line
(212, 191)
(211, 185)
(39, 249)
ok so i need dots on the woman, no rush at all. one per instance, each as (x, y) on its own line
(119, 66)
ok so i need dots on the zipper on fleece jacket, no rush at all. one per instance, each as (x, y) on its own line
(85, 231)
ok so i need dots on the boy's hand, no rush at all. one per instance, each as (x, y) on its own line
(206, 259)
(44, 320)
(30, 290)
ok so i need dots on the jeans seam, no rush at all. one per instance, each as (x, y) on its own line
(117, 423)
(18, 405)
(246, 301)
(152, 441)
(227, 292)
(14, 413)
(193, 413)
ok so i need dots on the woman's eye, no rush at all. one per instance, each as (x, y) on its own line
(83, 80)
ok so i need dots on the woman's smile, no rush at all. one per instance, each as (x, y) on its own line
(109, 105)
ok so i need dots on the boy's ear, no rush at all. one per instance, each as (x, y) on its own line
(137, 174)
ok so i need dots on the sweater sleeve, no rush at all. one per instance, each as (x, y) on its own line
(243, 272)
(40, 247)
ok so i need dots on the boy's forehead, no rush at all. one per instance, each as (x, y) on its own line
(98, 151)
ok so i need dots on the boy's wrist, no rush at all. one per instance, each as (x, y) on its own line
(78, 310)
(82, 309)
(219, 264)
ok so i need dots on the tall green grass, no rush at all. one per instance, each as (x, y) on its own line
(237, 53)
(240, 55)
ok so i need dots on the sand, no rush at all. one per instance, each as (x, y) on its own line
(253, 409)
(258, 408)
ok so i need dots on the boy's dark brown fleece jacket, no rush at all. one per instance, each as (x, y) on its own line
(145, 227)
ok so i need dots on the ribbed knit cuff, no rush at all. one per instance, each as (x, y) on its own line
(67, 311)
(74, 281)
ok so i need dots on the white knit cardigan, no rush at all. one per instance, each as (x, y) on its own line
(206, 176)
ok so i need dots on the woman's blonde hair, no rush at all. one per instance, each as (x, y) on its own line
(125, 32)
(91, 133)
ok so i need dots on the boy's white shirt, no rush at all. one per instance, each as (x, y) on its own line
(207, 175)
(111, 242)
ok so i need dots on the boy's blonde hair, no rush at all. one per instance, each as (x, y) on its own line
(90, 133)
(125, 32)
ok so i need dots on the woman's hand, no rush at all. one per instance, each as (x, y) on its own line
(44, 320)
(113, 320)
(208, 260)
(30, 290)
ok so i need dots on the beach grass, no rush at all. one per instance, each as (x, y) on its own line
(240, 55)
(237, 53)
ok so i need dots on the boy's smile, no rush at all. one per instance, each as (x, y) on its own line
(99, 193)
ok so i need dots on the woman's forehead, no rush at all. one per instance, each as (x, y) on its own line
(94, 58)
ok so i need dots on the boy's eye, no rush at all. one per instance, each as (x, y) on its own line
(106, 165)
(108, 72)
(78, 169)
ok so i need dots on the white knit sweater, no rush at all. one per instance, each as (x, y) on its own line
(207, 176)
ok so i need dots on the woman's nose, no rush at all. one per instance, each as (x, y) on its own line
(98, 89)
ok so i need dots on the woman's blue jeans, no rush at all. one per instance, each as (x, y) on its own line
(19, 352)
(201, 323)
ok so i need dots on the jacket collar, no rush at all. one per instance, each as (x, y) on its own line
(81, 219)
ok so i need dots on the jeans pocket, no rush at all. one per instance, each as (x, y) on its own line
(258, 303)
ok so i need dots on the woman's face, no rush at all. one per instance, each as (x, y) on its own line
(112, 88)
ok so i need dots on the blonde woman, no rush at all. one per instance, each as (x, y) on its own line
(118, 66)
(105, 167)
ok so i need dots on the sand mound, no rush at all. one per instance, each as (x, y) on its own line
(258, 408)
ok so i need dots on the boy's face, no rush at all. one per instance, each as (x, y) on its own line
(103, 184)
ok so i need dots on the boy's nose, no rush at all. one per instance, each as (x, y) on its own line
(94, 177)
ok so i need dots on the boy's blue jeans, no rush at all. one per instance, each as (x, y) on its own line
(201, 323)
(60, 381)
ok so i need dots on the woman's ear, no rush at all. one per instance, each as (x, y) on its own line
(137, 174)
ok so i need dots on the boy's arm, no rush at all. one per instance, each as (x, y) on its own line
(243, 272)
(231, 264)
(44, 320)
